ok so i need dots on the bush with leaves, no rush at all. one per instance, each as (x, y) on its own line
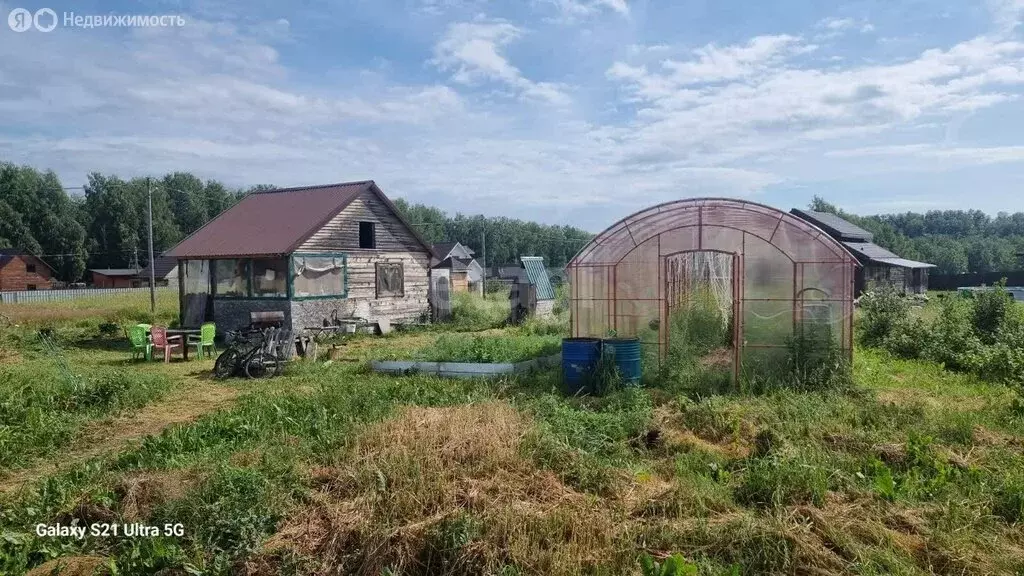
(909, 338)
(883, 310)
(953, 341)
(991, 308)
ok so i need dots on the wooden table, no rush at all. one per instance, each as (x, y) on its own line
(184, 333)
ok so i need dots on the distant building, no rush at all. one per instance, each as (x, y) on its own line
(465, 273)
(117, 278)
(165, 272)
(22, 271)
(878, 266)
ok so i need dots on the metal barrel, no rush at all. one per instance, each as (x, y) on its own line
(579, 359)
(626, 352)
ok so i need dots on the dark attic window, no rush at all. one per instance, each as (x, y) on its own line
(367, 238)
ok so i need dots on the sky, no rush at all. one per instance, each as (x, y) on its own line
(573, 112)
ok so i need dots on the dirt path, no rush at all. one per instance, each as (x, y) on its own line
(181, 406)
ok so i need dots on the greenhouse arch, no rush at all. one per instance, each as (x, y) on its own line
(768, 272)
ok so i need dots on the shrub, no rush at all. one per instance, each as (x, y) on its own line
(883, 310)
(908, 339)
(816, 361)
(953, 341)
(990, 311)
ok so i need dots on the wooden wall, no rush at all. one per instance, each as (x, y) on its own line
(15, 276)
(342, 232)
(395, 243)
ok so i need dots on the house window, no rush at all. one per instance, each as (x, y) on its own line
(390, 279)
(30, 268)
(230, 278)
(30, 287)
(320, 275)
(270, 278)
(367, 236)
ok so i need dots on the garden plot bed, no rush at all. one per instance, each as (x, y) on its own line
(468, 356)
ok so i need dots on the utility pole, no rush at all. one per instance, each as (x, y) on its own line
(152, 269)
(483, 276)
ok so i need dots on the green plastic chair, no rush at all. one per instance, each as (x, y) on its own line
(207, 332)
(138, 336)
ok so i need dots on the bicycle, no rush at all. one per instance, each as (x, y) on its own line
(249, 353)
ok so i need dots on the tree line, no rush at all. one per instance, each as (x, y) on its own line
(103, 223)
(956, 241)
(506, 238)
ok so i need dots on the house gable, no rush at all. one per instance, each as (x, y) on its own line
(341, 232)
(17, 273)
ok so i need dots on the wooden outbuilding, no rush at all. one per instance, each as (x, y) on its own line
(313, 255)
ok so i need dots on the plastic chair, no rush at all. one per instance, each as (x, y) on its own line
(161, 341)
(138, 337)
(207, 332)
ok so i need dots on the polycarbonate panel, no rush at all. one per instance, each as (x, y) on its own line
(803, 245)
(790, 272)
(825, 281)
(590, 282)
(767, 323)
(721, 239)
(590, 319)
(634, 272)
(679, 240)
(768, 273)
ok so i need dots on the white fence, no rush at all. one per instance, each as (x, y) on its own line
(27, 296)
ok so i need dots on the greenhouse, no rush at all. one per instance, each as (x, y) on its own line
(719, 283)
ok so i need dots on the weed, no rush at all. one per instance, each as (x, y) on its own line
(674, 565)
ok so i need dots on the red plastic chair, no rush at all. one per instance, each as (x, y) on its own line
(167, 343)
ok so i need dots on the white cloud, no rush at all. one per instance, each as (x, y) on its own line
(833, 27)
(950, 156)
(1007, 14)
(472, 52)
(664, 121)
(571, 11)
(748, 101)
(714, 63)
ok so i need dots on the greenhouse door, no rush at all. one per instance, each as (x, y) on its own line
(701, 334)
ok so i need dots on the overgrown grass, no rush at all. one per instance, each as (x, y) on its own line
(476, 348)
(45, 401)
(912, 470)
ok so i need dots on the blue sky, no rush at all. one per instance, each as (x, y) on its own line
(561, 111)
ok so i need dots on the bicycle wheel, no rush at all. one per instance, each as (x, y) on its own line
(227, 364)
(261, 365)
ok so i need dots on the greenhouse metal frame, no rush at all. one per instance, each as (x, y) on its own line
(786, 272)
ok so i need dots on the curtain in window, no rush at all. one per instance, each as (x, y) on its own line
(319, 275)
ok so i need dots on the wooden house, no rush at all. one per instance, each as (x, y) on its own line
(465, 273)
(312, 256)
(22, 271)
(117, 278)
(878, 266)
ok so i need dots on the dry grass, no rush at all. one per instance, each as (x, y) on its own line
(72, 566)
(448, 490)
(140, 494)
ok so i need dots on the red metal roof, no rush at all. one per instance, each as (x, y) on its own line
(269, 223)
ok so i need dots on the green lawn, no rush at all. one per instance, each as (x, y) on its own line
(330, 469)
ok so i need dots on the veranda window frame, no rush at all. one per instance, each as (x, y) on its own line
(344, 275)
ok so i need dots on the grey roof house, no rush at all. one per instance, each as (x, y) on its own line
(878, 266)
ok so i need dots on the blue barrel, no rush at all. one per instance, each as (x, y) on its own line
(579, 359)
(626, 352)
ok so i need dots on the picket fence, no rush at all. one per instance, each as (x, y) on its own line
(28, 296)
